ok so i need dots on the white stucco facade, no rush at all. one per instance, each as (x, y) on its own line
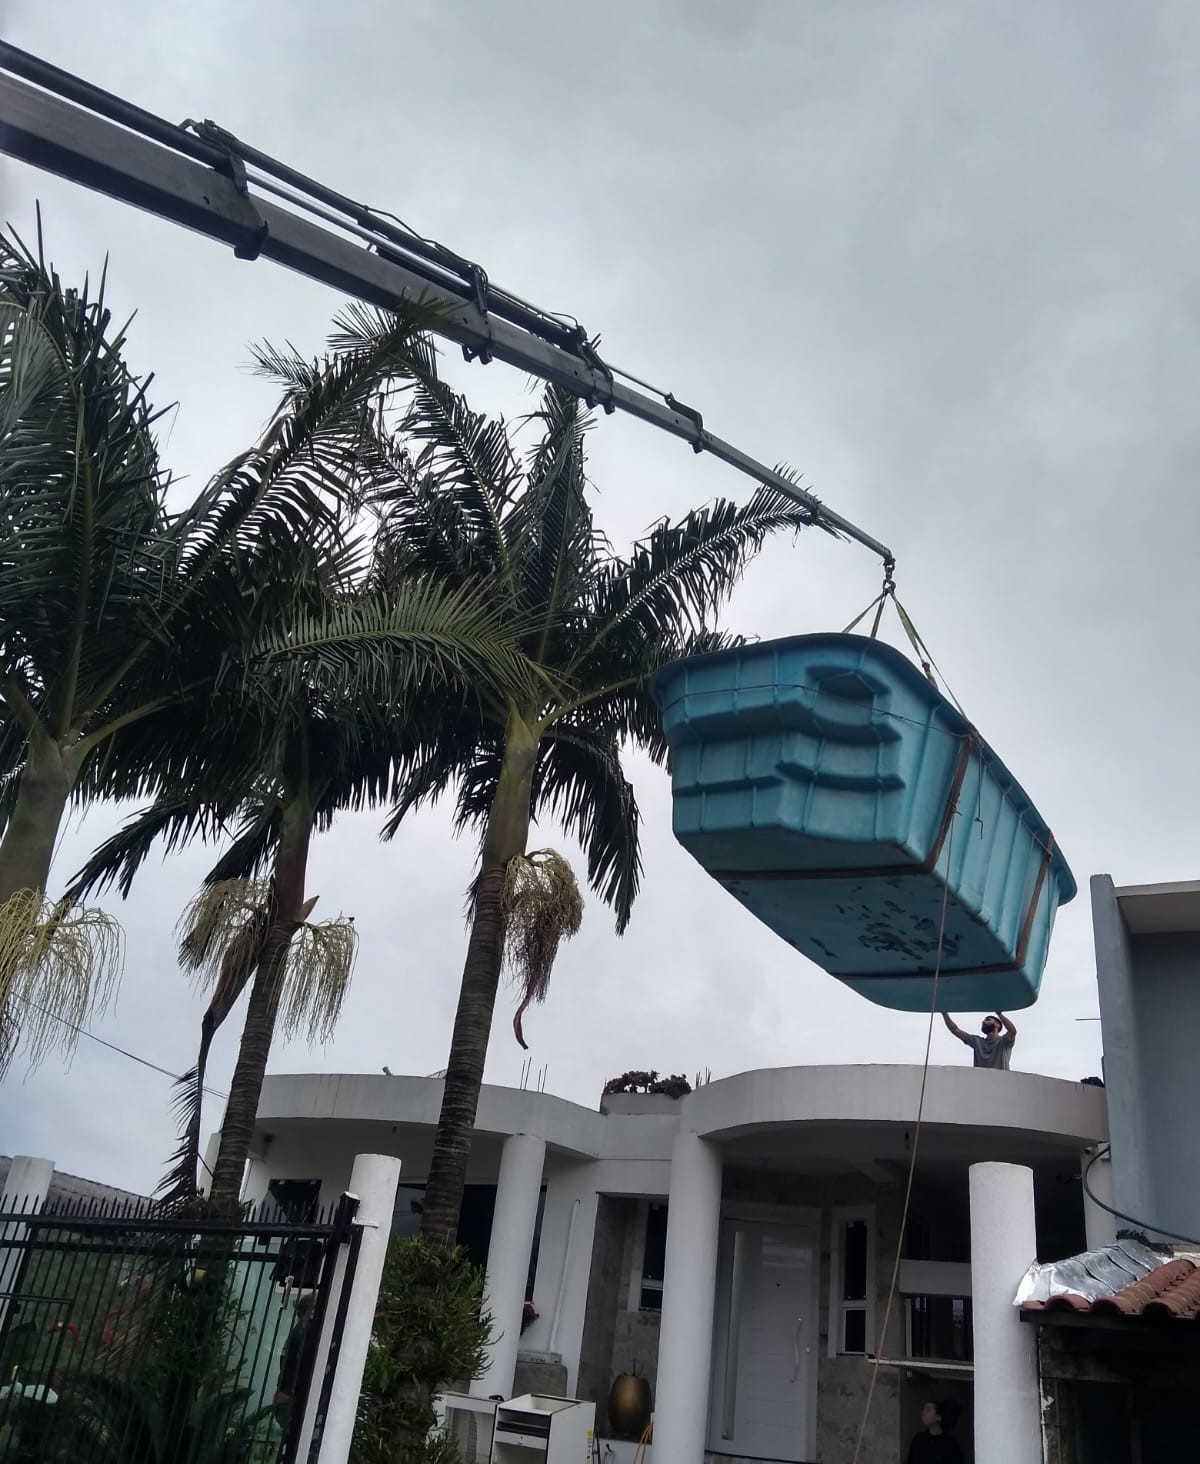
(751, 1168)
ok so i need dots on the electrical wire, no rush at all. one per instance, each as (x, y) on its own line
(1143, 1225)
(112, 1046)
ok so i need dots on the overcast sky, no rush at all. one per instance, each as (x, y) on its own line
(943, 258)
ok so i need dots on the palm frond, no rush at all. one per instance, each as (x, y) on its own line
(472, 459)
(178, 1184)
(59, 965)
(580, 779)
(681, 573)
(82, 508)
(381, 649)
(253, 847)
(542, 907)
(320, 963)
(222, 929)
(618, 676)
(310, 461)
(422, 779)
(551, 526)
(176, 820)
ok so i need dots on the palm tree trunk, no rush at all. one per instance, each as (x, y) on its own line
(287, 893)
(26, 851)
(43, 788)
(505, 838)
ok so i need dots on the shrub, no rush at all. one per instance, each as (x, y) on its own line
(430, 1331)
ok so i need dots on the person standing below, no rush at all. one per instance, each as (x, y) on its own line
(994, 1046)
(935, 1444)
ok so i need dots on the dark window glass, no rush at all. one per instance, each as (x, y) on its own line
(941, 1327)
(855, 1329)
(406, 1213)
(854, 1260)
(654, 1259)
(297, 1199)
(916, 1241)
(474, 1222)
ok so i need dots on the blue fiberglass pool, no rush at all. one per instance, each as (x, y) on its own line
(831, 789)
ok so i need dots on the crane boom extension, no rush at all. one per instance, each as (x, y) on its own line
(197, 176)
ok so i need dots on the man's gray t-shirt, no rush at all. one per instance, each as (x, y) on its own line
(991, 1052)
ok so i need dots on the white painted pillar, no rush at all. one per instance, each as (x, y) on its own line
(689, 1290)
(25, 1192)
(517, 1192)
(1099, 1225)
(564, 1266)
(373, 1179)
(1007, 1405)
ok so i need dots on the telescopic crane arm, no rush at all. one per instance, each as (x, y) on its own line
(202, 177)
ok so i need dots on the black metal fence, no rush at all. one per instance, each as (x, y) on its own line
(132, 1337)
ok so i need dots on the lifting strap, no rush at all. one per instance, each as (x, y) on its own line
(921, 650)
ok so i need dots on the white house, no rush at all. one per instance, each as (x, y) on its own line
(734, 1246)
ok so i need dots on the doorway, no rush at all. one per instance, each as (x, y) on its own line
(765, 1342)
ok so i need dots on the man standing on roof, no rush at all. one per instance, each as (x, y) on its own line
(994, 1048)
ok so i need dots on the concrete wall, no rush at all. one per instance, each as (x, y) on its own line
(617, 1338)
(635, 1335)
(1149, 988)
(614, 1217)
(1167, 1014)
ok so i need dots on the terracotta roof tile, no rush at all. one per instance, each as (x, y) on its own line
(1169, 1291)
(1180, 1300)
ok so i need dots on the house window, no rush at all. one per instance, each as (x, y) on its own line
(649, 1258)
(852, 1293)
(940, 1327)
(474, 1222)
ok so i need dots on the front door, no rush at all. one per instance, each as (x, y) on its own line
(765, 1341)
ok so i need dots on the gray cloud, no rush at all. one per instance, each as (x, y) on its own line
(941, 258)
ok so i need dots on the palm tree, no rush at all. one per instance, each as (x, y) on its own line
(596, 625)
(285, 757)
(106, 598)
(298, 720)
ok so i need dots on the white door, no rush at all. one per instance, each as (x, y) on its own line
(765, 1341)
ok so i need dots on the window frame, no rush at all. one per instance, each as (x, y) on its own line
(839, 1307)
(637, 1281)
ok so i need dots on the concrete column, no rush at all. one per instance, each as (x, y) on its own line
(689, 1290)
(1008, 1415)
(517, 1192)
(25, 1192)
(1099, 1225)
(373, 1179)
(564, 1267)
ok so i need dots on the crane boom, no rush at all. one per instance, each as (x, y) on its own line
(202, 177)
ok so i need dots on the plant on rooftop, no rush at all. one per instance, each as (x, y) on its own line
(676, 1086)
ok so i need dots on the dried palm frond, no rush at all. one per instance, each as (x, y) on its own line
(542, 908)
(59, 964)
(222, 927)
(320, 962)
